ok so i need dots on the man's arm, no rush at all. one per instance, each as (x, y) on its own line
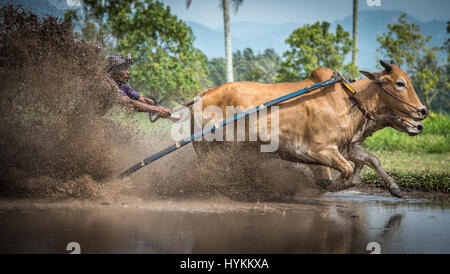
(126, 101)
(143, 107)
(163, 112)
(141, 103)
(146, 100)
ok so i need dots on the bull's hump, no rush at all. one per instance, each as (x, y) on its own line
(321, 74)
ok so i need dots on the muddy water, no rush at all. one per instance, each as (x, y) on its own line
(341, 223)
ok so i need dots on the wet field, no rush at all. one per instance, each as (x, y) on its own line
(339, 223)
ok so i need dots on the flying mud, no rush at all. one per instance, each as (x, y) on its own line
(59, 137)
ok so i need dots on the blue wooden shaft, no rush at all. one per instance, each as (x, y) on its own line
(199, 134)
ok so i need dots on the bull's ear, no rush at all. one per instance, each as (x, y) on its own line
(374, 76)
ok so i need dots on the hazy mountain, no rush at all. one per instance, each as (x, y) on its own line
(244, 34)
(373, 23)
(260, 36)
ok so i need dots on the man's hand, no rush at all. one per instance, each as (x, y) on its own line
(164, 112)
(143, 107)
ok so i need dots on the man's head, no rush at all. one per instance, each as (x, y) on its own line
(121, 77)
(117, 67)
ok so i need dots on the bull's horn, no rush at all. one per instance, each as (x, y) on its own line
(386, 65)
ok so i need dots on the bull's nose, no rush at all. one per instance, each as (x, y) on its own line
(420, 127)
(424, 111)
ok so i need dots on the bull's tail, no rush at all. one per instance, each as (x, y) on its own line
(193, 100)
(201, 94)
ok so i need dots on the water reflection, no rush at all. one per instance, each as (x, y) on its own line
(332, 227)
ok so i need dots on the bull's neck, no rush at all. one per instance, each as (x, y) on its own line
(367, 92)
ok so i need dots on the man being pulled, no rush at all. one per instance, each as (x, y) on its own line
(117, 68)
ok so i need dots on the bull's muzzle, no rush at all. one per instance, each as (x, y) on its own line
(414, 129)
(424, 112)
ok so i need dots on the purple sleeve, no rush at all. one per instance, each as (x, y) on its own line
(130, 92)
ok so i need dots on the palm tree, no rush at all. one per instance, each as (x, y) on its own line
(226, 22)
(355, 32)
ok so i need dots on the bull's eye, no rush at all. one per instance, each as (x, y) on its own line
(400, 84)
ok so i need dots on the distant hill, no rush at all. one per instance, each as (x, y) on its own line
(373, 23)
(244, 34)
(260, 36)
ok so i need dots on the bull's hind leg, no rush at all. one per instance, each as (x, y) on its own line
(353, 180)
(361, 156)
(341, 183)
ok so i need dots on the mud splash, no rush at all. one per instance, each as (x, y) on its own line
(241, 172)
(54, 95)
(58, 141)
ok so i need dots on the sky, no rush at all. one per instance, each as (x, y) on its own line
(208, 12)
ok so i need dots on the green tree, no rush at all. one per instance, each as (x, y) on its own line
(442, 101)
(167, 64)
(403, 43)
(248, 66)
(90, 30)
(258, 68)
(408, 47)
(226, 23)
(269, 64)
(216, 67)
(446, 46)
(245, 65)
(355, 33)
(428, 78)
(313, 46)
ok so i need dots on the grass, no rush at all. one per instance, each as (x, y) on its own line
(160, 126)
(420, 171)
(140, 121)
(434, 138)
(418, 180)
(421, 162)
(409, 161)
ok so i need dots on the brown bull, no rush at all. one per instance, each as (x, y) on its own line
(361, 156)
(324, 127)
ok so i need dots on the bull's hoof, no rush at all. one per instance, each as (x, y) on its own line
(396, 192)
(324, 183)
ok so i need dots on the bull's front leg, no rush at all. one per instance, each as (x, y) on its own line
(330, 157)
(361, 156)
(323, 178)
(322, 175)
